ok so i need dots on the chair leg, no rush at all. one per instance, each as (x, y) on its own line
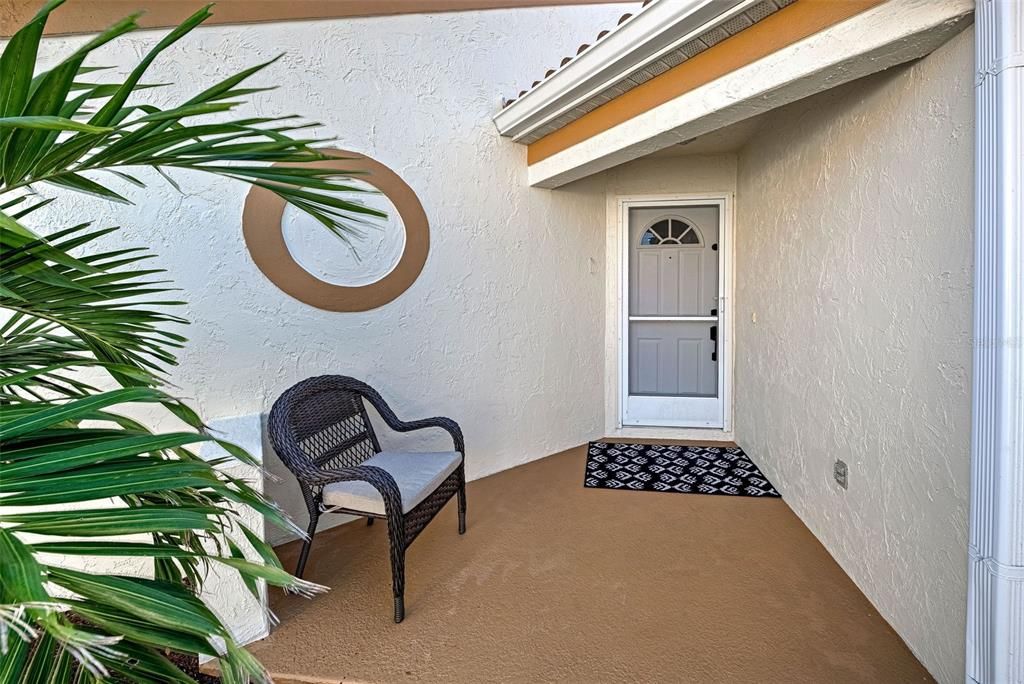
(308, 542)
(462, 500)
(399, 609)
(397, 570)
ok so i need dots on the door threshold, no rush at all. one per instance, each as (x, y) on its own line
(668, 434)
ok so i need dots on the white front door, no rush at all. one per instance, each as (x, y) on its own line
(673, 366)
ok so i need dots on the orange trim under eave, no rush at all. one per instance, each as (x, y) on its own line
(792, 23)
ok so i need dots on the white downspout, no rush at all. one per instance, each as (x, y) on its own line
(995, 598)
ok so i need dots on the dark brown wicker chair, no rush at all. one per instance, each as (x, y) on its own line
(321, 431)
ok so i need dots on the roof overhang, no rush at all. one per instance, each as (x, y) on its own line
(805, 48)
(646, 37)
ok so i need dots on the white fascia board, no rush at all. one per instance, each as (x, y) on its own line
(876, 39)
(658, 29)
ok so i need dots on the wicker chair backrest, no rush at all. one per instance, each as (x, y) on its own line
(326, 425)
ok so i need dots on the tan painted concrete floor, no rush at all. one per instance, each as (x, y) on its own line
(556, 583)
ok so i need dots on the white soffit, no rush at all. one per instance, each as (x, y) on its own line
(879, 38)
(661, 35)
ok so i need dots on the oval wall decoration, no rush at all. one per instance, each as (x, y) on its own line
(264, 237)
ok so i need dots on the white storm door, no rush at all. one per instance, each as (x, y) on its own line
(673, 366)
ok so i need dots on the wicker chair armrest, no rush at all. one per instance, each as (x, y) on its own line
(446, 424)
(399, 425)
(378, 478)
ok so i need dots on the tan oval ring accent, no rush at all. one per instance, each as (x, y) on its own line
(264, 237)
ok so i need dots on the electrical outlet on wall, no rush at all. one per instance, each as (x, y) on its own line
(839, 472)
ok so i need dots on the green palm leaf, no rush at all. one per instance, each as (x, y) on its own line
(70, 307)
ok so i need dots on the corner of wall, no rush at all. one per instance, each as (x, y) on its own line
(853, 310)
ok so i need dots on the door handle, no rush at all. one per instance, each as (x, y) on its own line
(714, 338)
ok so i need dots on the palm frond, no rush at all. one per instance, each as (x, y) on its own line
(165, 491)
(46, 137)
(87, 331)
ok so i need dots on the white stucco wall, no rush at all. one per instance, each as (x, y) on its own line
(502, 331)
(854, 249)
(245, 615)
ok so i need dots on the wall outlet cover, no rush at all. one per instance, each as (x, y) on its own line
(839, 472)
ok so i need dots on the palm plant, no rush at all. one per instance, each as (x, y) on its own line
(87, 332)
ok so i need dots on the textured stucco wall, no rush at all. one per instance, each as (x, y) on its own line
(854, 248)
(503, 329)
(246, 615)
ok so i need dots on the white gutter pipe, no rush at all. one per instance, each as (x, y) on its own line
(995, 594)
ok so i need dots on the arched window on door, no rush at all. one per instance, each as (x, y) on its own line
(672, 231)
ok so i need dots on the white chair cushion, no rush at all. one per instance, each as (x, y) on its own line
(416, 474)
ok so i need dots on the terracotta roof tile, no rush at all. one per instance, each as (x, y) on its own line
(579, 51)
(747, 17)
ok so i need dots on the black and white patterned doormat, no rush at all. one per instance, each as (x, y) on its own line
(672, 468)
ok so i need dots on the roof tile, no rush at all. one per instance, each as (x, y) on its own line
(746, 18)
